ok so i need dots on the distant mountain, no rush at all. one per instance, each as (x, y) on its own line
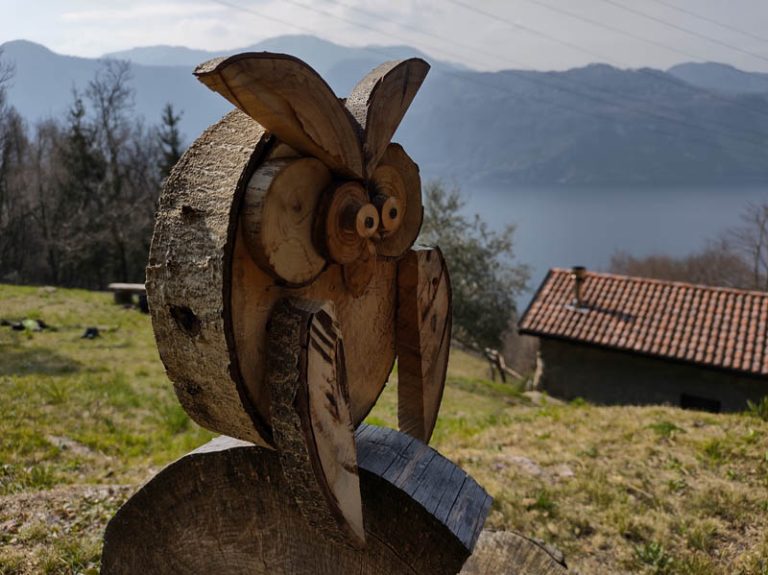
(44, 82)
(322, 55)
(163, 56)
(721, 78)
(592, 125)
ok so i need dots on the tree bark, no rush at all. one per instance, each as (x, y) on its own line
(189, 276)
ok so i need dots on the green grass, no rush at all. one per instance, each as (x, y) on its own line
(651, 490)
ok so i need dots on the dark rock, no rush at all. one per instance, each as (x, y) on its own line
(91, 333)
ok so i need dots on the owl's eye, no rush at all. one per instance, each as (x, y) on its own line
(344, 221)
(396, 192)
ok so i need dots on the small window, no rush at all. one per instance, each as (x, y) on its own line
(699, 403)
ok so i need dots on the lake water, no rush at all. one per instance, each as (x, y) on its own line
(566, 226)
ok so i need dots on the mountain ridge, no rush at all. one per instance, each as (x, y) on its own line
(593, 125)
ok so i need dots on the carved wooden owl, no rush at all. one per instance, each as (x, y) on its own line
(281, 280)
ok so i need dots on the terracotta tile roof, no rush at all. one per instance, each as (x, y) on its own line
(717, 327)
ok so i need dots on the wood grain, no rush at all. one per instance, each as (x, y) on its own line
(359, 274)
(290, 99)
(508, 552)
(345, 220)
(278, 217)
(423, 339)
(406, 187)
(367, 324)
(226, 508)
(380, 100)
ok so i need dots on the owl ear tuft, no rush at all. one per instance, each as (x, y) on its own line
(292, 101)
(379, 102)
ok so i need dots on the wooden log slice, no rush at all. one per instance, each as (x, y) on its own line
(291, 100)
(381, 99)
(226, 509)
(509, 553)
(423, 339)
(310, 416)
(367, 326)
(398, 176)
(189, 276)
(389, 197)
(278, 218)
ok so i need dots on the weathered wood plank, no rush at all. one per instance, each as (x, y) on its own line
(380, 100)
(423, 339)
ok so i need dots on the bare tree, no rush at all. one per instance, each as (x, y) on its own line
(717, 265)
(77, 199)
(750, 240)
(7, 70)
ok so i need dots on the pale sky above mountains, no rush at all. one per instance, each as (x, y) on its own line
(481, 34)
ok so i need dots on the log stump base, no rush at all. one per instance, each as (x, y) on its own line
(226, 508)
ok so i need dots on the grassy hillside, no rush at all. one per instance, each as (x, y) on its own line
(619, 490)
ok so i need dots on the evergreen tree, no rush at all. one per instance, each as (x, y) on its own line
(171, 146)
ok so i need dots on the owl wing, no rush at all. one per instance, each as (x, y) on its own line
(292, 101)
(380, 100)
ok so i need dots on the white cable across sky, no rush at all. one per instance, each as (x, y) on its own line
(730, 132)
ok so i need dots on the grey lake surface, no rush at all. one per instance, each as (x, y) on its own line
(566, 226)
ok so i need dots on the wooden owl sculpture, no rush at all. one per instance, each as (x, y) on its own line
(282, 279)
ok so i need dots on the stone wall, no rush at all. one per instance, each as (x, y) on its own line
(569, 370)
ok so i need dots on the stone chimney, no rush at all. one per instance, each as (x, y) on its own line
(579, 274)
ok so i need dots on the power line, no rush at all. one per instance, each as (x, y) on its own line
(611, 28)
(711, 21)
(684, 29)
(477, 80)
(536, 80)
(652, 74)
(360, 24)
(416, 29)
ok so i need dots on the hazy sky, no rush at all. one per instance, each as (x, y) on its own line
(507, 34)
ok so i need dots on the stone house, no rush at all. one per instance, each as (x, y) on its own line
(629, 340)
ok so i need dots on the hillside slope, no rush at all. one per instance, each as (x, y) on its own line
(83, 422)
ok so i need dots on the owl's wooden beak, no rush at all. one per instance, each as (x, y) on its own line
(292, 101)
